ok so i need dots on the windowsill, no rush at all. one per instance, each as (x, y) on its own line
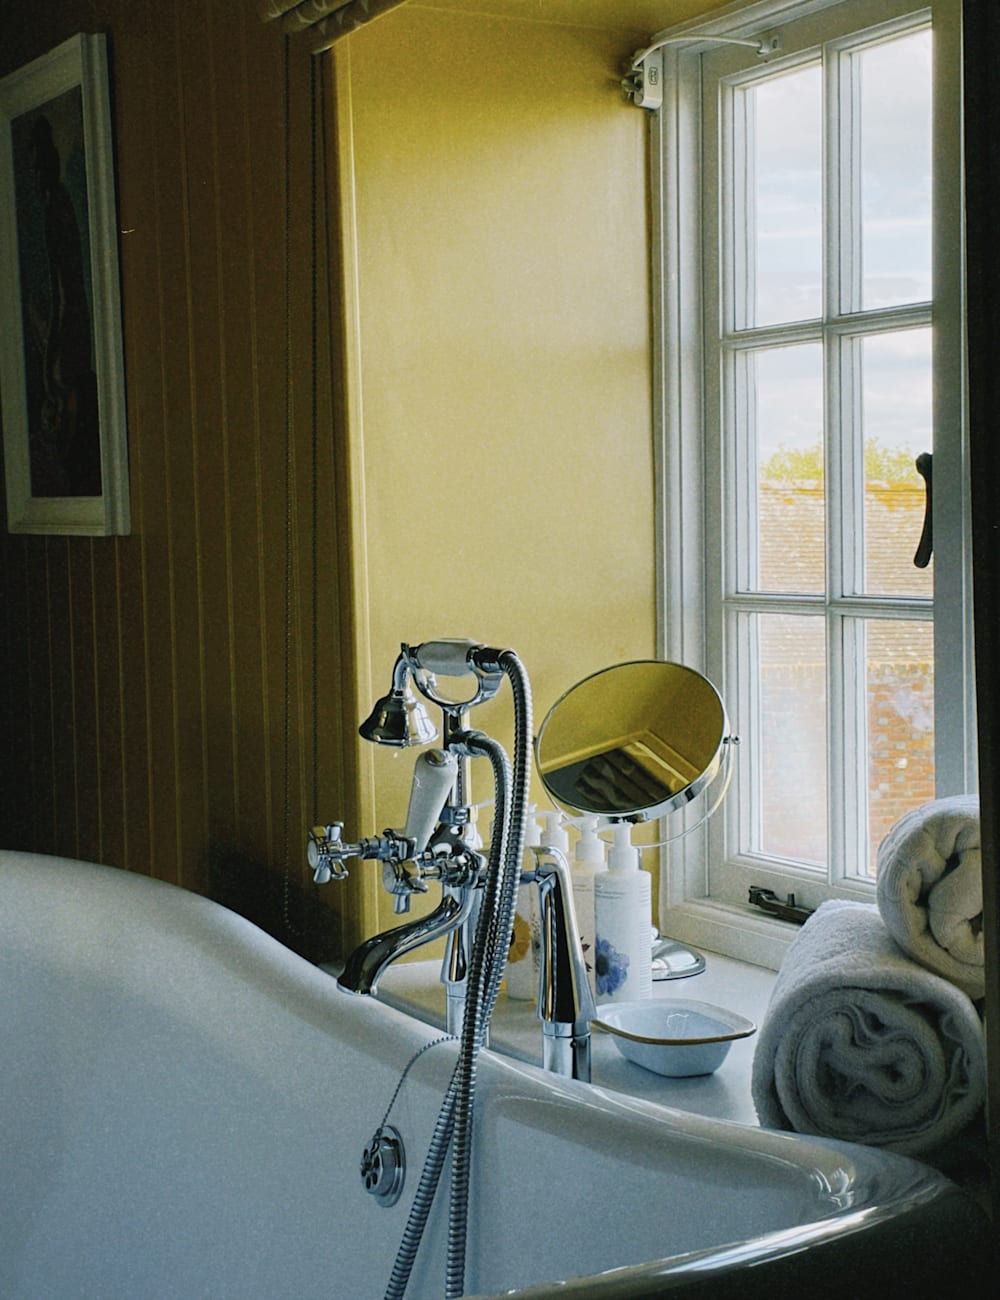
(415, 988)
(749, 935)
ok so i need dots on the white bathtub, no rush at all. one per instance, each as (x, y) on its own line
(185, 1104)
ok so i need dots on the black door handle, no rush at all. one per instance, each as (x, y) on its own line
(925, 547)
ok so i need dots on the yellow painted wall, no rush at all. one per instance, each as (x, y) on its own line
(501, 400)
(484, 470)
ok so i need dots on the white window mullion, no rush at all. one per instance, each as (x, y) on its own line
(833, 465)
(843, 171)
(739, 233)
(849, 749)
(743, 547)
(848, 724)
(847, 466)
(744, 656)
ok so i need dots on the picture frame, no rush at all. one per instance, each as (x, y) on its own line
(62, 372)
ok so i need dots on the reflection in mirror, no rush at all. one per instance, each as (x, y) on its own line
(633, 742)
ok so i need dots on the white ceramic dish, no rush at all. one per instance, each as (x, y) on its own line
(673, 1036)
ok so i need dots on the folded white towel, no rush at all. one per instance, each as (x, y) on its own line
(930, 889)
(861, 1043)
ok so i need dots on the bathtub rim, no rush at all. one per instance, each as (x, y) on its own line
(924, 1200)
(854, 1244)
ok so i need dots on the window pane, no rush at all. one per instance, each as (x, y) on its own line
(900, 683)
(895, 80)
(786, 397)
(896, 417)
(786, 162)
(793, 742)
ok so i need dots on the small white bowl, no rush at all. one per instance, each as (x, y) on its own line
(674, 1036)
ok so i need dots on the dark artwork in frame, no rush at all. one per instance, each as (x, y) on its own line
(62, 378)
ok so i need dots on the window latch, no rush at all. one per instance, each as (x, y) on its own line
(768, 901)
(925, 547)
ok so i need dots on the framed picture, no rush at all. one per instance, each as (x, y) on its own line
(62, 374)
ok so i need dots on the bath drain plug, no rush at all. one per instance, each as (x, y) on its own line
(383, 1165)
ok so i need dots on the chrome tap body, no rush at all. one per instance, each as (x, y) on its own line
(439, 843)
(565, 1002)
(367, 962)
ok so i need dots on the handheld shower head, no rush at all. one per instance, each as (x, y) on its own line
(399, 718)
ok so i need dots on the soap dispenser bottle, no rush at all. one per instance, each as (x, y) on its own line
(588, 867)
(522, 970)
(554, 832)
(623, 918)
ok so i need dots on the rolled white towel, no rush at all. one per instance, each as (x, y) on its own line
(861, 1043)
(930, 889)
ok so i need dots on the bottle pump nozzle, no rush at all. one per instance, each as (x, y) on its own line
(554, 832)
(589, 845)
(623, 855)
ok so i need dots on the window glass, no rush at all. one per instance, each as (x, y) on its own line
(785, 405)
(783, 118)
(899, 662)
(792, 737)
(894, 85)
(897, 426)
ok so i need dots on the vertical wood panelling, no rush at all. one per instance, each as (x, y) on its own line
(215, 499)
(265, 199)
(39, 815)
(60, 635)
(242, 359)
(108, 679)
(198, 482)
(167, 438)
(87, 783)
(299, 214)
(160, 689)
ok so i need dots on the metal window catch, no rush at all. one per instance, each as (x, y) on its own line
(789, 910)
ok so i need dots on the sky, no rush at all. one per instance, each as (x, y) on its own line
(893, 170)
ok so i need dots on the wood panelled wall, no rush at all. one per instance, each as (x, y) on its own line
(173, 700)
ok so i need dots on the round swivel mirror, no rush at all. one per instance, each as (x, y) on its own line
(633, 742)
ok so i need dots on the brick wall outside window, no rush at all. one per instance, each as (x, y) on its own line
(900, 666)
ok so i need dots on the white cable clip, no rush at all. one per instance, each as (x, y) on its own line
(643, 84)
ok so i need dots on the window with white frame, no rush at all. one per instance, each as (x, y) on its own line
(811, 333)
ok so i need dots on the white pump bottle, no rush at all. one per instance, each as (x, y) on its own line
(588, 867)
(623, 920)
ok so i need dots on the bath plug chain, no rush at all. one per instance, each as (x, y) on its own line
(435, 1042)
(383, 1161)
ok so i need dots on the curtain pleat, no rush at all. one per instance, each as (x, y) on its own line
(326, 20)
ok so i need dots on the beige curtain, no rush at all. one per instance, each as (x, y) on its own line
(325, 20)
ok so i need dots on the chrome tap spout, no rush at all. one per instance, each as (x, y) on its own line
(565, 1002)
(367, 962)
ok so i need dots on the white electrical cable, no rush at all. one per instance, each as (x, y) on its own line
(761, 45)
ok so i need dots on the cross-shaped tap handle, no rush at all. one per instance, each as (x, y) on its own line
(325, 854)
